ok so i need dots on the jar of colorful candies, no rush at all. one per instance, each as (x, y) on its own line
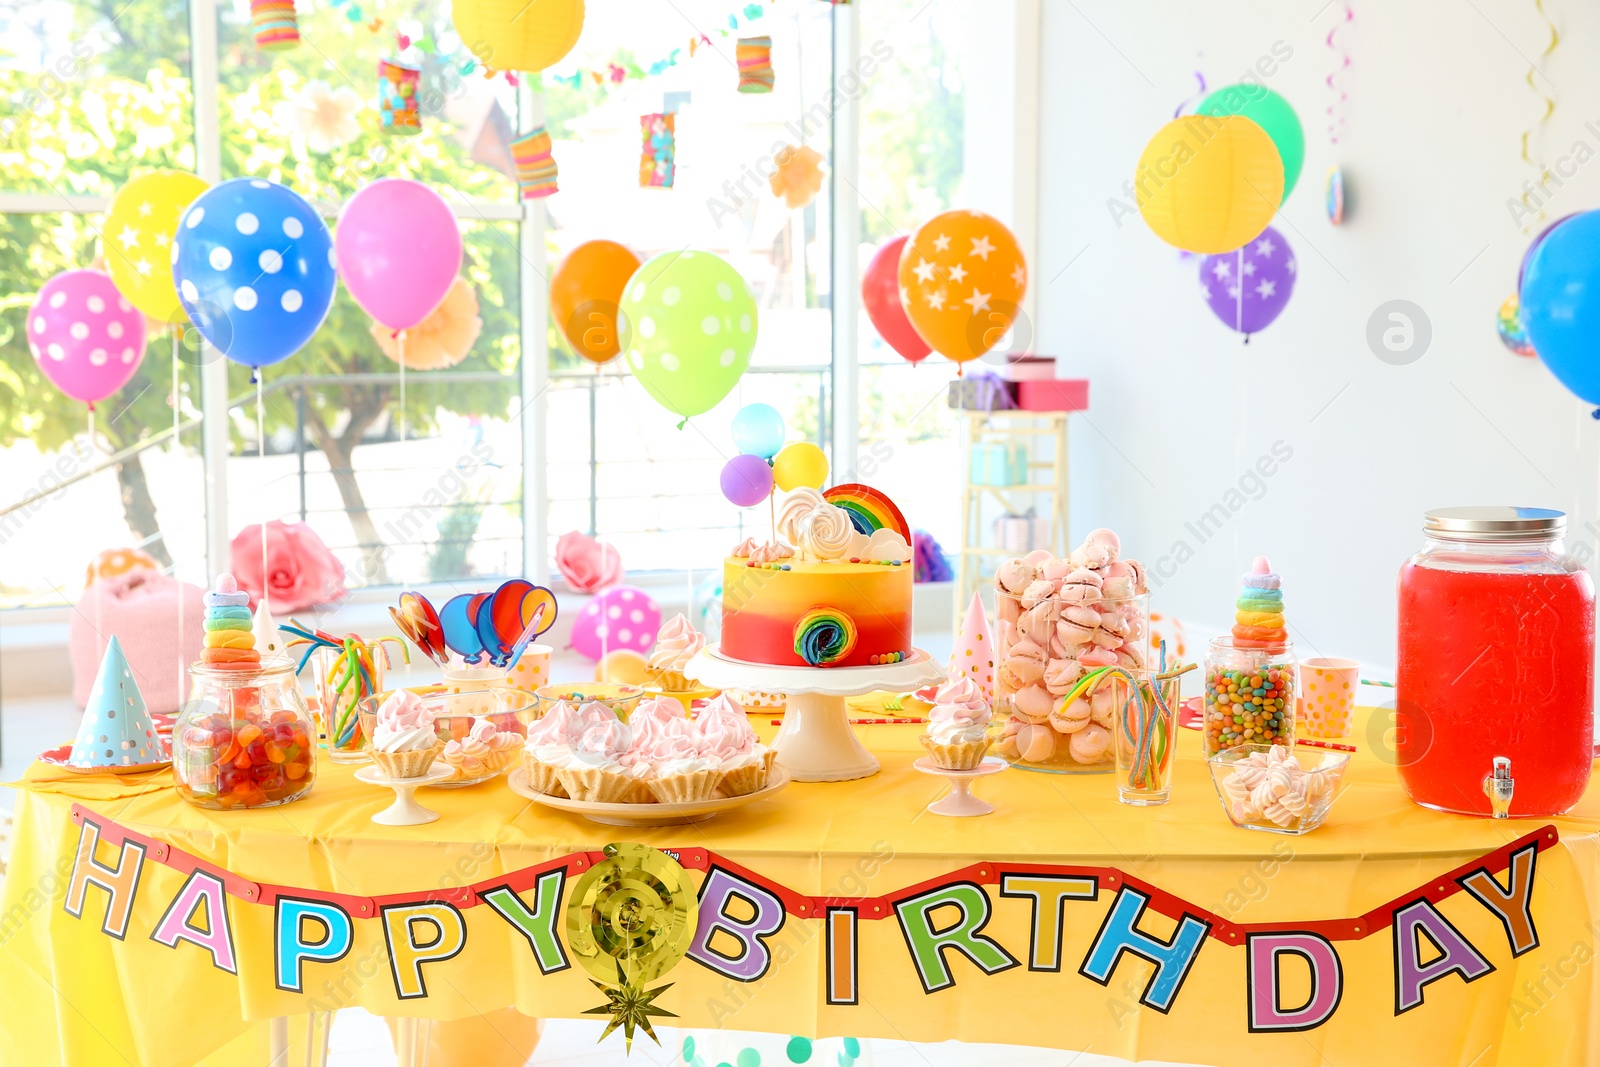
(1250, 694)
(244, 739)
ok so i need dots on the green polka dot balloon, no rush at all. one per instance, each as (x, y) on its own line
(688, 326)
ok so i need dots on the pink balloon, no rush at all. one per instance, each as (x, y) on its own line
(85, 335)
(398, 250)
(622, 617)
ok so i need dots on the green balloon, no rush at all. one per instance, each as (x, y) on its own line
(1273, 114)
(688, 326)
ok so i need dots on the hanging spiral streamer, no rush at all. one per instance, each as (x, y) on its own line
(1190, 101)
(1549, 109)
(1341, 54)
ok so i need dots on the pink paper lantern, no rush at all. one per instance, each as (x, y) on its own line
(86, 337)
(623, 617)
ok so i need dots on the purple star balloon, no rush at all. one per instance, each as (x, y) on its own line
(1248, 288)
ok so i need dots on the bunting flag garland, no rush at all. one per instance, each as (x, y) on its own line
(755, 64)
(622, 68)
(657, 154)
(536, 167)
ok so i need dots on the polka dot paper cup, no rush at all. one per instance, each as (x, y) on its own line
(1327, 696)
(532, 671)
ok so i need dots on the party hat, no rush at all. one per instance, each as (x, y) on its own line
(116, 730)
(974, 651)
(269, 641)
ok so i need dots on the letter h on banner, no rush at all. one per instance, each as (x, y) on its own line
(1119, 934)
(121, 881)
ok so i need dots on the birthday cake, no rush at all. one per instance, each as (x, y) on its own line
(833, 591)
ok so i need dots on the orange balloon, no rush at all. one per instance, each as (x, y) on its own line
(584, 293)
(962, 277)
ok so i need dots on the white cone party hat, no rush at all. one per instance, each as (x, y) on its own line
(270, 641)
(974, 651)
(116, 731)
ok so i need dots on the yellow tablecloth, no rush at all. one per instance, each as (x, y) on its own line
(75, 994)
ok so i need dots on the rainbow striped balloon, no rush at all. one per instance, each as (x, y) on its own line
(824, 636)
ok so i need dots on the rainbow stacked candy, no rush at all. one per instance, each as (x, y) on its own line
(1258, 613)
(230, 644)
(823, 636)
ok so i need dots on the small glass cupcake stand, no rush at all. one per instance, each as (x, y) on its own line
(816, 743)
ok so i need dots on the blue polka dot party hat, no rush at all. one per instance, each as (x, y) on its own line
(116, 732)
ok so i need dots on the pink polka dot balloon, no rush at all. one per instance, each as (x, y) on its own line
(86, 337)
(622, 617)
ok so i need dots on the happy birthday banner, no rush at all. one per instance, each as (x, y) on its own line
(939, 922)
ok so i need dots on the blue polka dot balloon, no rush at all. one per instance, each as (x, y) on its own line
(254, 267)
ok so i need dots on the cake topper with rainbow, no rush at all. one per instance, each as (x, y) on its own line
(869, 509)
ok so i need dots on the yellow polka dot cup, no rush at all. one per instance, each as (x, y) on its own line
(1327, 696)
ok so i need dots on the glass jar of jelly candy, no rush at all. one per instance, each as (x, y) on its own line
(1496, 660)
(244, 738)
(1249, 696)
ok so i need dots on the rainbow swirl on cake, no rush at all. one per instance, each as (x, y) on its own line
(824, 636)
(869, 510)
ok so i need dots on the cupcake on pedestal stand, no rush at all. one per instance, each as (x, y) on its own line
(827, 619)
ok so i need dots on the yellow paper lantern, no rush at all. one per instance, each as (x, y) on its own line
(1209, 183)
(525, 35)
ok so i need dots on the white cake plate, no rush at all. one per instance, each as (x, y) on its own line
(959, 801)
(815, 742)
(405, 811)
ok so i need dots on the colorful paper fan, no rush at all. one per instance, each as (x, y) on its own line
(869, 509)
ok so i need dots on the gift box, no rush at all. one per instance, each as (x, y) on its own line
(1058, 394)
(141, 609)
(983, 391)
(1023, 533)
(994, 463)
(1027, 368)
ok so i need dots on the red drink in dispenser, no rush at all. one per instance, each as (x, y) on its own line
(1496, 660)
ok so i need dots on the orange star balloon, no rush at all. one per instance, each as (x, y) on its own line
(798, 178)
(962, 277)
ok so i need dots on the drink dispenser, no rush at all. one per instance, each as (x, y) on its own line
(1494, 702)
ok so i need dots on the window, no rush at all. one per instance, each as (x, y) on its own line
(912, 118)
(100, 90)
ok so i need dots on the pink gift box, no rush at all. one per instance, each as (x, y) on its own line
(1028, 368)
(1057, 394)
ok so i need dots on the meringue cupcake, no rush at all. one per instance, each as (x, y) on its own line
(404, 741)
(593, 770)
(726, 736)
(676, 644)
(958, 725)
(660, 729)
(686, 779)
(548, 746)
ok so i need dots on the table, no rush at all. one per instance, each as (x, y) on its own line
(873, 886)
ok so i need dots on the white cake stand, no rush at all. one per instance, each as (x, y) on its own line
(959, 801)
(815, 743)
(405, 811)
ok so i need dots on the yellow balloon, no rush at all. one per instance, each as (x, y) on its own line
(621, 666)
(800, 464)
(1209, 183)
(525, 35)
(139, 230)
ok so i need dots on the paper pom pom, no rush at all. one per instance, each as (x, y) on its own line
(798, 178)
(324, 116)
(441, 340)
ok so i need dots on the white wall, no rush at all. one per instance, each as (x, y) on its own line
(1180, 409)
